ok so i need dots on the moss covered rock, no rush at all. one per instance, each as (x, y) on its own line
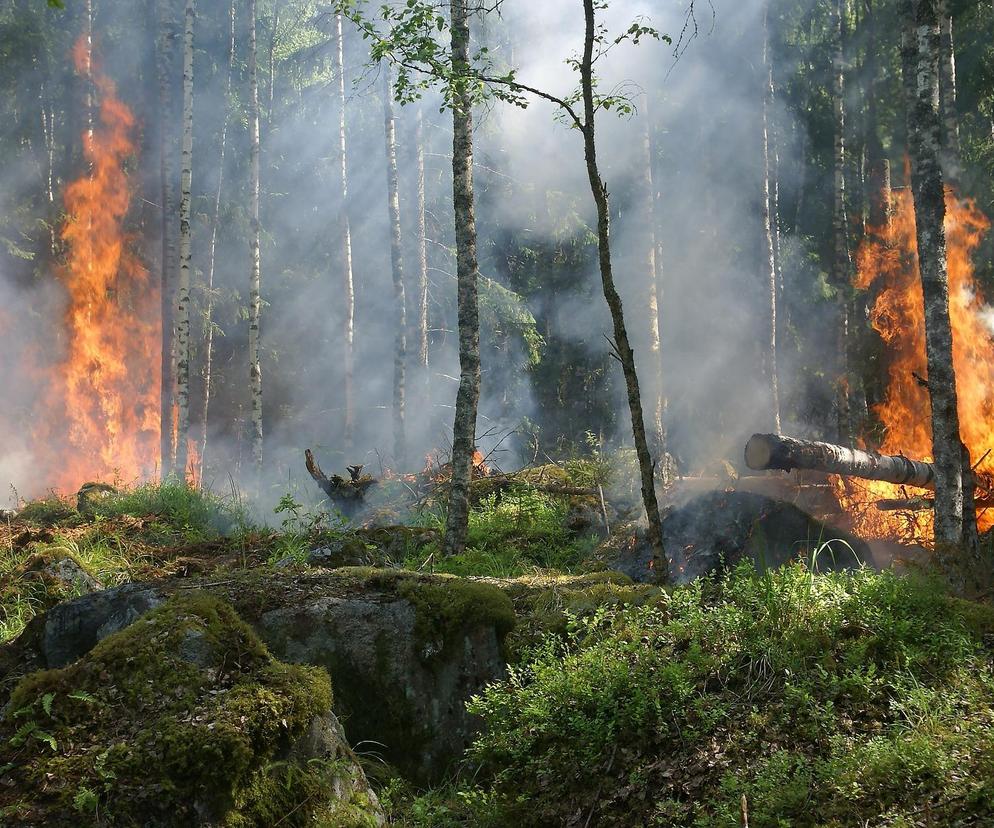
(183, 718)
(404, 651)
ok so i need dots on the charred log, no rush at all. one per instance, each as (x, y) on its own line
(771, 451)
(349, 496)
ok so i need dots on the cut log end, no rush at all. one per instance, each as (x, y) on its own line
(759, 452)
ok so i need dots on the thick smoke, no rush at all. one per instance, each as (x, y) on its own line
(703, 110)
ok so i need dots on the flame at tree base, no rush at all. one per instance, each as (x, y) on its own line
(887, 265)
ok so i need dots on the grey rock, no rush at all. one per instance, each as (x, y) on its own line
(73, 628)
(392, 689)
(67, 571)
(715, 531)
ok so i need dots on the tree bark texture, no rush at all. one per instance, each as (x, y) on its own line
(422, 297)
(924, 134)
(467, 273)
(345, 245)
(168, 195)
(769, 250)
(622, 344)
(185, 248)
(255, 272)
(652, 268)
(397, 268)
(841, 275)
(774, 451)
(947, 87)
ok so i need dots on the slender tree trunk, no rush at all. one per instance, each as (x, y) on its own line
(467, 267)
(769, 250)
(255, 274)
(165, 65)
(947, 87)
(652, 266)
(622, 345)
(277, 7)
(209, 288)
(397, 263)
(345, 244)
(185, 246)
(878, 196)
(924, 133)
(419, 140)
(841, 259)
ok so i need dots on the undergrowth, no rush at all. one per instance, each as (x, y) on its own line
(510, 534)
(825, 700)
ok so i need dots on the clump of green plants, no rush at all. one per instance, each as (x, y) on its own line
(824, 700)
(176, 510)
(511, 533)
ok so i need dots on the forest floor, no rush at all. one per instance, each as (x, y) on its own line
(796, 698)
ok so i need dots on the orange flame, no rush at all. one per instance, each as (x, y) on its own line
(102, 412)
(887, 263)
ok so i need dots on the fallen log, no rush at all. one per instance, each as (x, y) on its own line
(922, 504)
(772, 451)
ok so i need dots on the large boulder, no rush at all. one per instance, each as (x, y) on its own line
(716, 530)
(184, 718)
(404, 651)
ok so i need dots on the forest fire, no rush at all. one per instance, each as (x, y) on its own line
(101, 417)
(887, 265)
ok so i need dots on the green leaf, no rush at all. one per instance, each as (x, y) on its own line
(46, 703)
(47, 738)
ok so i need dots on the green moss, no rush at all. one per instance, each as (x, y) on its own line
(181, 717)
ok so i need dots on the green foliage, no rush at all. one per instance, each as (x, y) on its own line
(510, 534)
(827, 700)
(178, 509)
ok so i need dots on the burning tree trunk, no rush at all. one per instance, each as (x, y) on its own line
(769, 251)
(185, 244)
(255, 274)
(467, 267)
(397, 262)
(168, 243)
(930, 210)
(209, 285)
(345, 241)
(773, 451)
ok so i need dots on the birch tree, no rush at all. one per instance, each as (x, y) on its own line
(168, 260)
(422, 248)
(345, 243)
(467, 275)
(397, 269)
(841, 258)
(255, 272)
(652, 269)
(769, 249)
(947, 91)
(185, 246)
(924, 137)
(208, 330)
